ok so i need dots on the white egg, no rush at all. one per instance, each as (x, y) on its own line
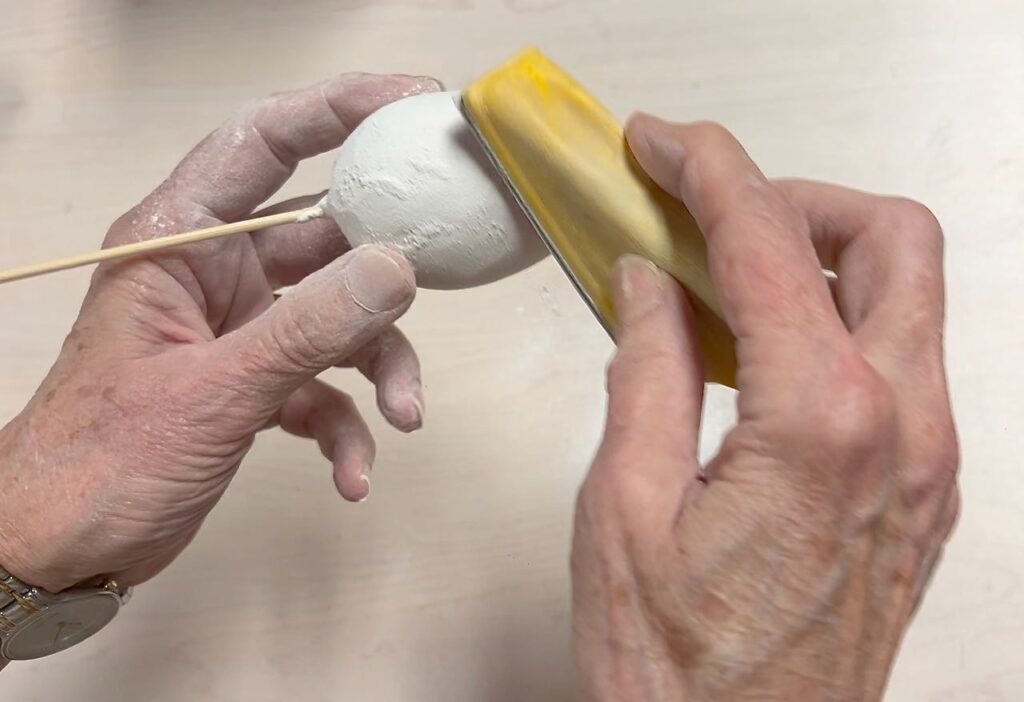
(412, 176)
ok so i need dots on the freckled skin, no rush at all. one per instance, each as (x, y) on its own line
(788, 567)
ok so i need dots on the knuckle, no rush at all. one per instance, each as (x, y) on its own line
(936, 466)
(951, 514)
(945, 456)
(121, 225)
(588, 505)
(595, 502)
(624, 413)
(261, 126)
(705, 142)
(239, 125)
(249, 126)
(918, 226)
(618, 373)
(267, 105)
(135, 225)
(611, 498)
(248, 371)
(710, 134)
(860, 415)
(764, 205)
(285, 347)
(292, 341)
(771, 211)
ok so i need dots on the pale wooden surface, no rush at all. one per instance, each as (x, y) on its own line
(450, 583)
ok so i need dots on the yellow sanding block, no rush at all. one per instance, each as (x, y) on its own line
(566, 159)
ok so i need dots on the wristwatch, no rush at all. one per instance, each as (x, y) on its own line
(36, 623)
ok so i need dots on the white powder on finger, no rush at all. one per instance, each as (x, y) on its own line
(412, 176)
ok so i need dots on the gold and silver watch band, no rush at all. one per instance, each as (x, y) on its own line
(16, 601)
(36, 623)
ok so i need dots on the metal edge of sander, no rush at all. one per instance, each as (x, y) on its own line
(521, 201)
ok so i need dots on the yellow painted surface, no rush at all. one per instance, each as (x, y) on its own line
(567, 156)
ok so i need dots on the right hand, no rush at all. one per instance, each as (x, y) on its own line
(788, 567)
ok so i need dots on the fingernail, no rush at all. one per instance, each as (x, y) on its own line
(376, 281)
(403, 407)
(429, 84)
(414, 406)
(417, 85)
(365, 497)
(641, 287)
(416, 402)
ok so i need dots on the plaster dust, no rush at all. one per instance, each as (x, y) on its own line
(413, 176)
(315, 212)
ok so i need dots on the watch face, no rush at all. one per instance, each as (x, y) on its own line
(60, 626)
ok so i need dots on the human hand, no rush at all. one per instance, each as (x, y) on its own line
(790, 565)
(177, 360)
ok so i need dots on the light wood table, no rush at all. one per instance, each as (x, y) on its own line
(451, 582)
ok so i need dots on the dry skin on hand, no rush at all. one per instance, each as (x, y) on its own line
(412, 176)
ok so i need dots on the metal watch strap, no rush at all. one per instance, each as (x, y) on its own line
(35, 622)
(18, 600)
(15, 604)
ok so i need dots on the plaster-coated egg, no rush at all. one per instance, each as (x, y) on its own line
(412, 176)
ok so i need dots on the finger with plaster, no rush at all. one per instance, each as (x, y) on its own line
(415, 176)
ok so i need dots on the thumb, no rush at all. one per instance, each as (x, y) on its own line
(322, 321)
(655, 384)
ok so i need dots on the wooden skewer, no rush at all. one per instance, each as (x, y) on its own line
(151, 245)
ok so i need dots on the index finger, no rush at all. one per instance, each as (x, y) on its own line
(245, 161)
(763, 264)
(234, 169)
(888, 252)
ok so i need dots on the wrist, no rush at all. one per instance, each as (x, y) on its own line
(30, 521)
(25, 562)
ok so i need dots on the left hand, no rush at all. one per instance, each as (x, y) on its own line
(177, 360)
